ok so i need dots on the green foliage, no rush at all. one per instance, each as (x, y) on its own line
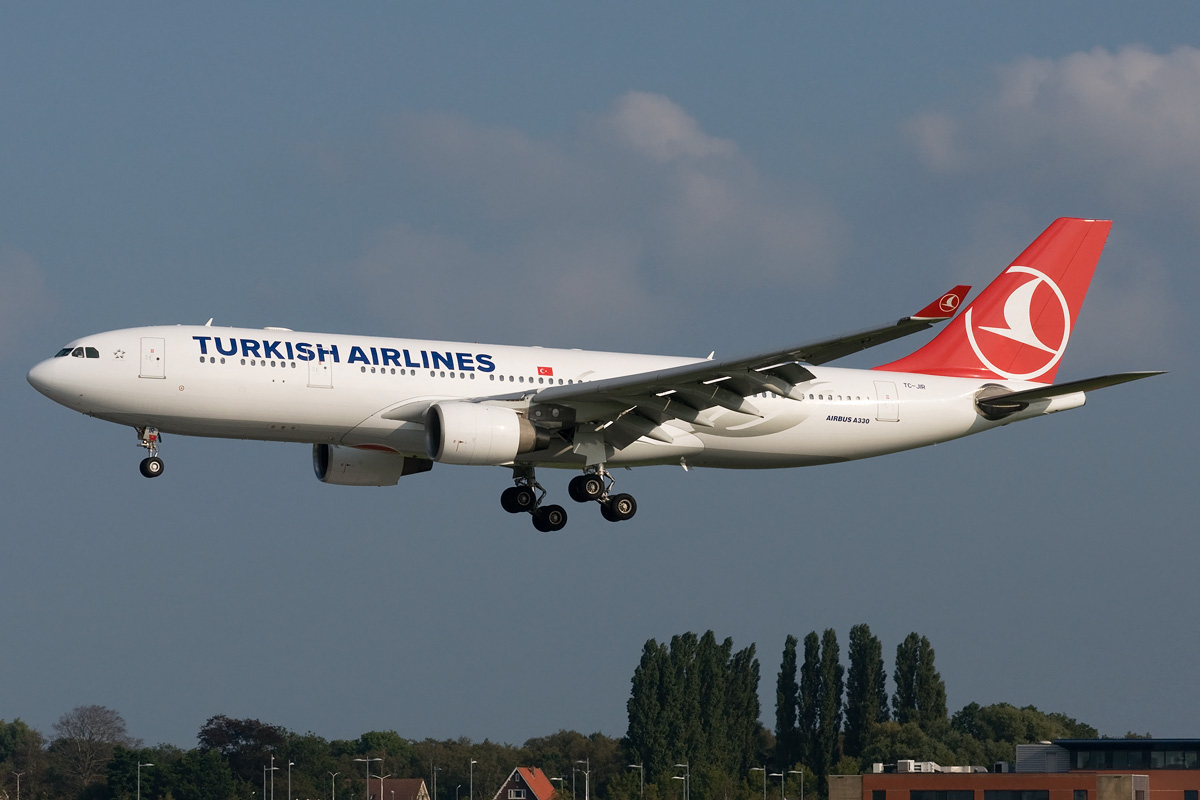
(810, 697)
(866, 689)
(787, 699)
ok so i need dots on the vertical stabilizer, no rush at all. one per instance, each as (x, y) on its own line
(1019, 326)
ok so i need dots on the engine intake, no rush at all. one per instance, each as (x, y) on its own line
(348, 466)
(474, 434)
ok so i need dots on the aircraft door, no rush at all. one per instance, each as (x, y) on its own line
(889, 406)
(154, 358)
(320, 374)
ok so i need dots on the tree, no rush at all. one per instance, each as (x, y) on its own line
(810, 698)
(647, 733)
(930, 692)
(829, 722)
(866, 690)
(84, 741)
(787, 698)
(245, 743)
(904, 701)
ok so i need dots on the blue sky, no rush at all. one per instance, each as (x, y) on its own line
(641, 177)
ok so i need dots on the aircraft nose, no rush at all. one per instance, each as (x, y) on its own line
(43, 378)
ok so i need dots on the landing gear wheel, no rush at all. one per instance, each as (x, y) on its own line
(550, 518)
(151, 467)
(516, 499)
(585, 488)
(618, 508)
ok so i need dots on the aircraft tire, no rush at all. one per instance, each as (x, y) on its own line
(151, 467)
(621, 507)
(586, 488)
(516, 499)
(550, 518)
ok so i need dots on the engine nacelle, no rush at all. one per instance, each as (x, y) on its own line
(473, 434)
(348, 466)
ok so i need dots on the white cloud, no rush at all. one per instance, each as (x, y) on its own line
(631, 219)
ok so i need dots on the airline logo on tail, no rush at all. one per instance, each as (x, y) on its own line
(1053, 323)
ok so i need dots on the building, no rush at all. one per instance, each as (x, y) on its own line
(1068, 769)
(526, 783)
(401, 789)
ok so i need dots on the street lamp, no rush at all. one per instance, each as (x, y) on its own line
(367, 762)
(456, 788)
(687, 780)
(560, 785)
(290, 765)
(641, 768)
(18, 774)
(587, 777)
(139, 789)
(683, 786)
(470, 789)
(273, 768)
(781, 779)
(381, 779)
(332, 784)
(763, 770)
(436, 770)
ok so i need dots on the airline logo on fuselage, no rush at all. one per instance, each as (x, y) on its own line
(284, 350)
(1042, 347)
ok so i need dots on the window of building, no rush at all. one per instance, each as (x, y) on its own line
(1079, 794)
(878, 794)
(1017, 794)
(516, 794)
(946, 794)
(1190, 794)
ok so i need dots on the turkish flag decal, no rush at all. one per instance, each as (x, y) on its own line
(546, 371)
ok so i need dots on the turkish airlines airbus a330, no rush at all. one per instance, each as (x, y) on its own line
(377, 409)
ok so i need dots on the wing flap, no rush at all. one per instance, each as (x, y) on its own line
(998, 406)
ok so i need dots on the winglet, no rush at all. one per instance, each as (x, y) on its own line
(944, 307)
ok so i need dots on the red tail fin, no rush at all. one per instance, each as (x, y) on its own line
(1019, 326)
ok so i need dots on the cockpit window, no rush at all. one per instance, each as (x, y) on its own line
(91, 352)
(77, 352)
(66, 351)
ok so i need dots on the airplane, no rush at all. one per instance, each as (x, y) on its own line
(378, 409)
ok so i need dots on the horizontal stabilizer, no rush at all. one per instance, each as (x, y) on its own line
(998, 406)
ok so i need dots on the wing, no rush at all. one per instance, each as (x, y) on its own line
(629, 407)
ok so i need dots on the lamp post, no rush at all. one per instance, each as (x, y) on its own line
(763, 770)
(456, 788)
(683, 786)
(333, 785)
(367, 762)
(381, 779)
(780, 776)
(18, 774)
(272, 771)
(290, 765)
(435, 770)
(801, 774)
(560, 785)
(139, 789)
(471, 787)
(587, 777)
(641, 768)
(687, 780)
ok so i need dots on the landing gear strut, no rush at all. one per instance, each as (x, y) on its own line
(528, 495)
(596, 484)
(152, 465)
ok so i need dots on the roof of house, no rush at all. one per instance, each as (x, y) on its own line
(537, 782)
(403, 788)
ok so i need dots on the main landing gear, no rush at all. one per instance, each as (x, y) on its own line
(528, 495)
(152, 465)
(596, 485)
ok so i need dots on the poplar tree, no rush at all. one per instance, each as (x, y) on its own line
(866, 690)
(647, 734)
(829, 722)
(787, 698)
(904, 701)
(930, 692)
(810, 697)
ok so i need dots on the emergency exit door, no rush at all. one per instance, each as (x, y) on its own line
(154, 358)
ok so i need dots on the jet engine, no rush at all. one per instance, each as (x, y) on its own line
(348, 466)
(473, 433)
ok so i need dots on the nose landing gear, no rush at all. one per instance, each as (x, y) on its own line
(152, 465)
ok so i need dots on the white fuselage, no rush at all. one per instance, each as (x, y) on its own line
(359, 391)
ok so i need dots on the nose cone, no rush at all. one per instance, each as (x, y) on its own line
(46, 378)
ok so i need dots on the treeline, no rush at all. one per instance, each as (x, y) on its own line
(694, 732)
